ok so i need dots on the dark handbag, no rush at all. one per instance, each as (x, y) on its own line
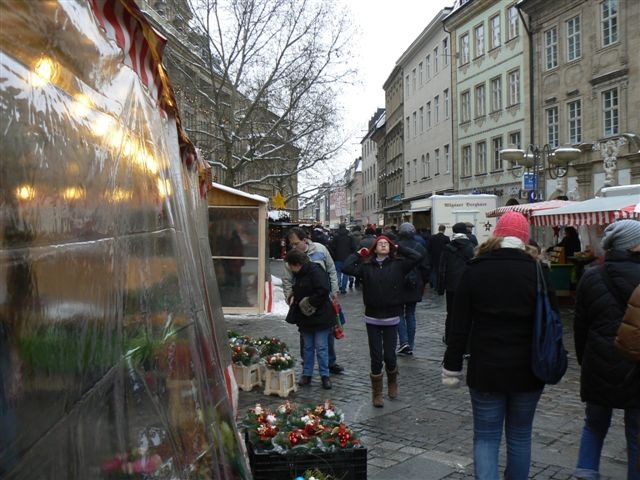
(548, 356)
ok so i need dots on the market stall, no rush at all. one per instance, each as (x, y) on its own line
(527, 209)
(113, 355)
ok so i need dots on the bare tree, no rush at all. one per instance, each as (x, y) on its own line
(276, 68)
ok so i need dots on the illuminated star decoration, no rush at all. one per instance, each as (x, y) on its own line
(278, 201)
(487, 226)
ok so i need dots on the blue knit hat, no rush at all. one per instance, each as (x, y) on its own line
(622, 235)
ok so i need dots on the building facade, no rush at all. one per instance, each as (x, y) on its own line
(489, 81)
(370, 171)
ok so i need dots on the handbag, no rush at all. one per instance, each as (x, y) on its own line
(338, 328)
(548, 356)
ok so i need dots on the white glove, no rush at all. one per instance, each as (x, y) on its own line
(451, 379)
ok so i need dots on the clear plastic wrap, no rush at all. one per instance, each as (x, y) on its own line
(113, 351)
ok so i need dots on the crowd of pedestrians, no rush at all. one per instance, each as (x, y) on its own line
(491, 293)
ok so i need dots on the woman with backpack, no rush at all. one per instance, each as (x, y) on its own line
(608, 380)
(493, 319)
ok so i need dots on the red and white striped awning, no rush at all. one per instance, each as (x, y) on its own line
(528, 208)
(596, 211)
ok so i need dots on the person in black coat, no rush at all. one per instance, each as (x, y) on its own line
(435, 247)
(341, 246)
(413, 288)
(453, 261)
(382, 275)
(493, 317)
(607, 379)
(312, 312)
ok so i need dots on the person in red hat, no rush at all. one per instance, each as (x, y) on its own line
(381, 273)
(493, 317)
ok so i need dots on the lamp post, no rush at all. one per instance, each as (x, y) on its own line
(536, 161)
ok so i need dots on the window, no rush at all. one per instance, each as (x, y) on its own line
(435, 60)
(464, 49)
(514, 140)
(424, 167)
(420, 74)
(496, 94)
(574, 48)
(406, 86)
(428, 67)
(415, 124)
(478, 35)
(446, 103)
(609, 22)
(480, 110)
(428, 170)
(552, 126)
(408, 130)
(436, 108)
(421, 119)
(514, 87)
(512, 18)
(437, 160)
(481, 158)
(610, 111)
(445, 51)
(446, 158)
(428, 114)
(551, 48)
(408, 171)
(466, 161)
(496, 164)
(413, 78)
(465, 107)
(494, 22)
(574, 117)
(415, 169)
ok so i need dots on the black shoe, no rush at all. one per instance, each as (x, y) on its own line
(326, 383)
(404, 349)
(335, 368)
(343, 292)
(409, 351)
(304, 380)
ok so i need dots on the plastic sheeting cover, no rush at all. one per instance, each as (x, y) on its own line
(110, 361)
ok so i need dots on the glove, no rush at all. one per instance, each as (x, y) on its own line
(363, 252)
(451, 379)
(306, 308)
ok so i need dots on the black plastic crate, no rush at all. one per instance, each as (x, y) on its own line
(347, 464)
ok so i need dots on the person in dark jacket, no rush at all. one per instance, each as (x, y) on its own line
(368, 238)
(413, 287)
(472, 238)
(435, 247)
(453, 261)
(342, 245)
(312, 312)
(570, 242)
(382, 275)
(607, 379)
(493, 322)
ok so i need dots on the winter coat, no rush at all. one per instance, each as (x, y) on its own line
(382, 283)
(342, 245)
(357, 237)
(319, 254)
(436, 245)
(606, 378)
(367, 241)
(312, 282)
(493, 315)
(628, 337)
(414, 280)
(454, 258)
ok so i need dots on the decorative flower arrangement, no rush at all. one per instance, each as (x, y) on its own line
(279, 361)
(269, 346)
(292, 427)
(244, 354)
(315, 474)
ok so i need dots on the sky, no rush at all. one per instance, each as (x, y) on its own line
(384, 30)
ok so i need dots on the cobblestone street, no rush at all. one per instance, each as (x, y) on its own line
(427, 432)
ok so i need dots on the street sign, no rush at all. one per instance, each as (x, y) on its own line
(529, 181)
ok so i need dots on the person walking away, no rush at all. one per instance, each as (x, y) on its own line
(319, 254)
(435, 247)
(452, 263)
(312, 312)
(342, 245)
(412, 292)
(368, 238)
(382, 274)
(472, 237)
(607, 380)
(493, 322)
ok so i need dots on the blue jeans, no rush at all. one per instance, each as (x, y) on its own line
(596, 425)
(491, 412)
(407, 325)
(316, 346)
(331, 342)
(343, 278)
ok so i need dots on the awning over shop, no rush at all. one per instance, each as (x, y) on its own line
(596, 211)
(421, 205)
(527, 209)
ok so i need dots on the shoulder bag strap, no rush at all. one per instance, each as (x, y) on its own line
(612, 289)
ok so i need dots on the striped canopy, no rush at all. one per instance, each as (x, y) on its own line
(528, 208)
(596, 211)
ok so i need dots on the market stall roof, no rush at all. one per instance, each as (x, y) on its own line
(527, 209)
(596, 211)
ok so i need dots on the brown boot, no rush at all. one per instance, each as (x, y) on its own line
(392, 380)
(376, 390)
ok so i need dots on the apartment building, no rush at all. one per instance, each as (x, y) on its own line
(489, 80)
(586, 69)
(370, 171)
(427, 119)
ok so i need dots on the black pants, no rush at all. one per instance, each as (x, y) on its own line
(450, 294)
(382, 346)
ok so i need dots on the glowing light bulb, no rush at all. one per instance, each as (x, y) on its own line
(25, 192)
(73, 193)
(102, 125)
(44, 72)
(164, 188)
(81, 105)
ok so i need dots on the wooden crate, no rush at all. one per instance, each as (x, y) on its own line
(280, 382)
(247, 377)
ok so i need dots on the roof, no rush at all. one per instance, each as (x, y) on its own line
(528, 208)
(596, 211)
(240, 193)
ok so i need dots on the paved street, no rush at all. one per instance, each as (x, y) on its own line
(427, 432)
